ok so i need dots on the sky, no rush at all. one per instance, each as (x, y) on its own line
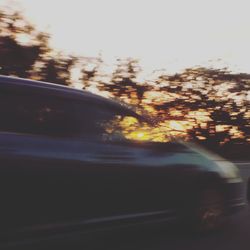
(170, 34)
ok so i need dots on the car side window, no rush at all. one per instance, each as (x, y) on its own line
(62, 117)
(106, 123)
(109, 123)
(36, 114)
(94, 119)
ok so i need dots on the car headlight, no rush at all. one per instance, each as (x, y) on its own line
(229, 171)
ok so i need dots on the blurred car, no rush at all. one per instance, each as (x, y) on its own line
(69, 162)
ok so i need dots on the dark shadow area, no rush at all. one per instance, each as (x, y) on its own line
(155, 236)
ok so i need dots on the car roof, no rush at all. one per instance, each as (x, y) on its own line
(65, 91)
(18, 83)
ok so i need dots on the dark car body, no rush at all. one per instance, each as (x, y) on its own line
(58, 174)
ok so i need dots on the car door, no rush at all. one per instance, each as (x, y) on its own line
(130, 180)
(50, 175)
(34, 156)
(143, 181)
(136, 179)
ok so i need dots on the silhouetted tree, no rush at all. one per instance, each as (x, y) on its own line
(124, 84)
(57, 70)
(90, 71)
(25, 52)
(219, 94)
(16, 56)
(16, 59)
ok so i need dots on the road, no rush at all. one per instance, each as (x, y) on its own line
(236, 235)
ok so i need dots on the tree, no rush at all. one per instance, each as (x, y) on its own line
(25, 52)
(57, 70)
(124, 84)
(16, 56)
(16, 59)
(214, 101)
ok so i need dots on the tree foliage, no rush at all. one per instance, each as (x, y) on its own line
(25, 52)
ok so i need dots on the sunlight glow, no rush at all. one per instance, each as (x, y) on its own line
(171, 34)
(175, 125)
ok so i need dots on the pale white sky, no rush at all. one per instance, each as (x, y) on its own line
(171, 34)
